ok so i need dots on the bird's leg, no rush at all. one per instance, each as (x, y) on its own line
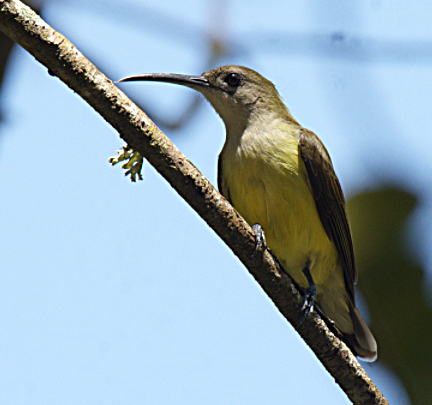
(259, 236)
(261, 240)
(310, 293)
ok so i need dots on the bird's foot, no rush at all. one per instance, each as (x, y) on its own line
(310, 294)
(259, 236)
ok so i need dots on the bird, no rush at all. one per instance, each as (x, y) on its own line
(279, 176)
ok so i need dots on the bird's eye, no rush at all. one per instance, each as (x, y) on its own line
(233, 79)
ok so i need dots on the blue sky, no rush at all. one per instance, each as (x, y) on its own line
(113, 292)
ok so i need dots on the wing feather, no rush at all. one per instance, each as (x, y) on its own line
(330, 201)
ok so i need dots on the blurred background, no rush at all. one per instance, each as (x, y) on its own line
(113, 292)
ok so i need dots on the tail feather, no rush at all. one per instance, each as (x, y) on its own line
(361, 342)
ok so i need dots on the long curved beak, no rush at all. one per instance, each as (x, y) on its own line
(185, 80)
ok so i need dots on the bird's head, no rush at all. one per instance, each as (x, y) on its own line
(237, 93)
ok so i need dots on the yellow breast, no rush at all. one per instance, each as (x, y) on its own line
(267, 184)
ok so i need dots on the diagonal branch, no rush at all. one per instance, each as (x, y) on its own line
(65, 61)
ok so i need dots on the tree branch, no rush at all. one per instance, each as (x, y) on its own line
(65, 61)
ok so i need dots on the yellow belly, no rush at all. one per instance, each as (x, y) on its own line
(277, 195)
(269, 186)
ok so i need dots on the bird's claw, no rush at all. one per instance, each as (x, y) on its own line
(309, 296)
(308, 302)
(259, 236)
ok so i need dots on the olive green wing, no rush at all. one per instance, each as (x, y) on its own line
(330, 201)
